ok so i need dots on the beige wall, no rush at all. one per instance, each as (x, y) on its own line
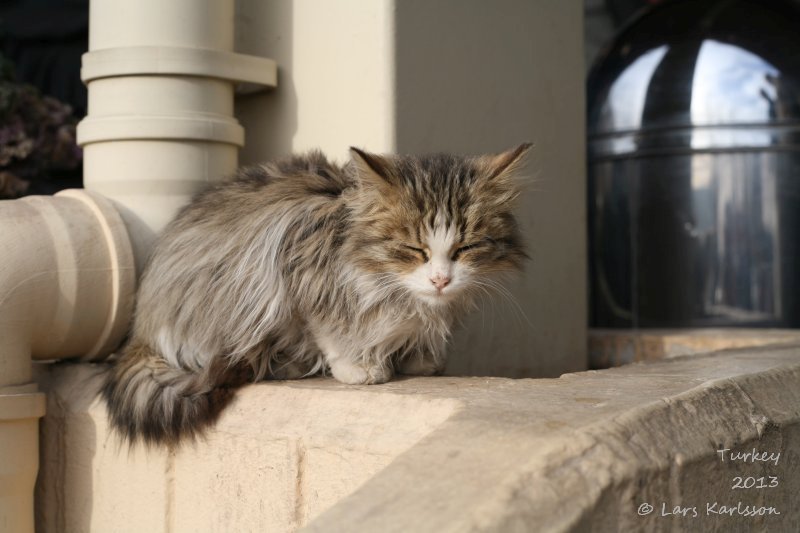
(335, 76)
(456, 75)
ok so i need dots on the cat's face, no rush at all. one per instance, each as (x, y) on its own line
(438, 226)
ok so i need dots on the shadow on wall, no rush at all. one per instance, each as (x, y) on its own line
(520, 80)
(264, 28)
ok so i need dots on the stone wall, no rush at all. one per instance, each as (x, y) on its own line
(587, 450)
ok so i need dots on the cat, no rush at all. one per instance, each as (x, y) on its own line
(302, 266)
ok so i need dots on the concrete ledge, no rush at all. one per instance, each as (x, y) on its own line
(445, 454)
(614, 347)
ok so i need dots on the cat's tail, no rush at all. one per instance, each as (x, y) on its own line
(151, 401)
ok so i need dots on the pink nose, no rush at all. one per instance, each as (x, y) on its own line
(440, 282)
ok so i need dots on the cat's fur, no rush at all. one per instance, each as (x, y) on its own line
(301, 266)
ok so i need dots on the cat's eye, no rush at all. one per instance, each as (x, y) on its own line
(461, 249)
(471, 246)
(419, 251)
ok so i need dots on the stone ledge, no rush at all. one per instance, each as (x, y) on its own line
(443, 454)
(614, 347)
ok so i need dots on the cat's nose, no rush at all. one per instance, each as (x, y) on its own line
(440, 281)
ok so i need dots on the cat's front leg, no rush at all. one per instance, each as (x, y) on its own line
(356, 369)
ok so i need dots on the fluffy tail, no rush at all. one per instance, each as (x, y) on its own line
(151, 401)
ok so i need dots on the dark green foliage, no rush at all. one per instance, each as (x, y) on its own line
(37, 136)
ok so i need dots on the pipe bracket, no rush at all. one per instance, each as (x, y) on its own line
(162, 60)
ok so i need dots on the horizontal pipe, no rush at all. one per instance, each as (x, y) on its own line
(66, 280)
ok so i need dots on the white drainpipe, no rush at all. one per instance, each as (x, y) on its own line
(66, 289)
(161, 83)
(161, 80)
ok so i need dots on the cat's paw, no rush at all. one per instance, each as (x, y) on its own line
(420, 366)
(356, 374)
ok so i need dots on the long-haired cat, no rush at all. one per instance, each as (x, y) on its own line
(302, 266)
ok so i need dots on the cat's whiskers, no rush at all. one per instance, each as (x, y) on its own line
(484, 294)
(505, 294)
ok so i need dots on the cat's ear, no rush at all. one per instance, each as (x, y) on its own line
(505, 164)
(372, 169)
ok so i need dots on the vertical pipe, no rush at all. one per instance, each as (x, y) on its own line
(159, 126)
